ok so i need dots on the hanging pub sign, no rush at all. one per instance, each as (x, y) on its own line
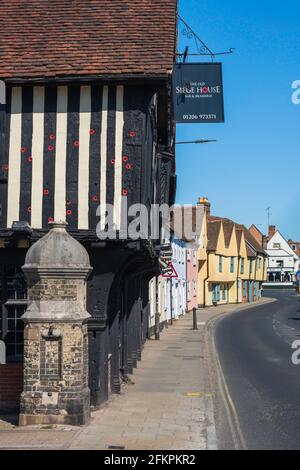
(198, 92)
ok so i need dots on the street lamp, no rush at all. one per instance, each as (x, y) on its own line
(201, 141)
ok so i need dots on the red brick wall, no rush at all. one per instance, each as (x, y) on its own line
(11, 384)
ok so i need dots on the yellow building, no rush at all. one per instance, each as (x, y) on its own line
(232, 265)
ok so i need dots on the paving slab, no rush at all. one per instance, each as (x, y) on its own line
(168, 406)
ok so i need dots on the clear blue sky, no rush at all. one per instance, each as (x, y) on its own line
(256, 161)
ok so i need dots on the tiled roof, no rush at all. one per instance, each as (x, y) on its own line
(228, 227)
(55, 38)
(213, 231)
(252, 246)
(239, 234)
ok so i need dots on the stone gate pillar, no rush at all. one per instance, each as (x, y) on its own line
(55, 338)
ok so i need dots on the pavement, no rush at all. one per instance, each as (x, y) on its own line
(262, 383)
(167, 405)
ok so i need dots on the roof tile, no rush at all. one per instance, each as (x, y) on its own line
(71, 37)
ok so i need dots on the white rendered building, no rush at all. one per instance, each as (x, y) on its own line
(283, 263)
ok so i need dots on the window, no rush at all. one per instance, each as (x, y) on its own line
(220, 264)
(245, 289)
(232, 264)
(277, 246)
(251, 266)
(294, 247)
(279, 263)
(242, 265)
(13, 294)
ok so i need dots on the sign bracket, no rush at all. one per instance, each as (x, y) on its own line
(202, 48)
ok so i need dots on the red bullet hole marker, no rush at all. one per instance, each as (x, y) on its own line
(132, 134)
(50, 220)
(29, 159)
(113, 161)
(5, 167)
(29, 209)
(125, 159)
(46, 192)
(92, 132)
(128, 166)
(95, 198)
(76, 143)
(125, 192)
(23, 149)
(50, 148)
(69, 212)
(52, 137)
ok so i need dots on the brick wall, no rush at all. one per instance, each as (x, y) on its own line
(11, 386)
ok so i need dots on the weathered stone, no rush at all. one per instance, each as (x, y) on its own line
(56, 342)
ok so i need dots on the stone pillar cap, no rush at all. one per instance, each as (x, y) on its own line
(57, 249)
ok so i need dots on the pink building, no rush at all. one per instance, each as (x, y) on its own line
(192, 278)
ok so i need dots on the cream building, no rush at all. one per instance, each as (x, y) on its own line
(232, 265)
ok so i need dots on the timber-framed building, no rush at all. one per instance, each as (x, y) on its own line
(85, 118)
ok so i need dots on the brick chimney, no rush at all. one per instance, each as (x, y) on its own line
(272, 231)
(203, 201)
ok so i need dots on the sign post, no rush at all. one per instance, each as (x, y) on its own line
(198, 93)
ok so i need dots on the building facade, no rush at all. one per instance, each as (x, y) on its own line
(191, 277)
(177, 292)
(82, 128)
(283, 262)
(232, 264)
(295, 246)
(168, 295)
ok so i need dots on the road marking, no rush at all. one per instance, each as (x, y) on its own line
(198, 394)
(232, 415)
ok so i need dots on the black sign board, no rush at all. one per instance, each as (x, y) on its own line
(198, 92)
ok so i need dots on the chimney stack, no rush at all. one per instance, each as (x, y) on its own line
(272, 231)
(203, 201)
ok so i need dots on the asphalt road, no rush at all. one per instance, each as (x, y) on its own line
(255, 353)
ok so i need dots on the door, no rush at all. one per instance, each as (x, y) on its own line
(216, 293)
(250, 291)
(245, 291)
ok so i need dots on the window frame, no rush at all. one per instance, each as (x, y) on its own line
(220, 263)
(232, 264)
(242, 265)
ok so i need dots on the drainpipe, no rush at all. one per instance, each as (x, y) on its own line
(238, 279)
(205, 281)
